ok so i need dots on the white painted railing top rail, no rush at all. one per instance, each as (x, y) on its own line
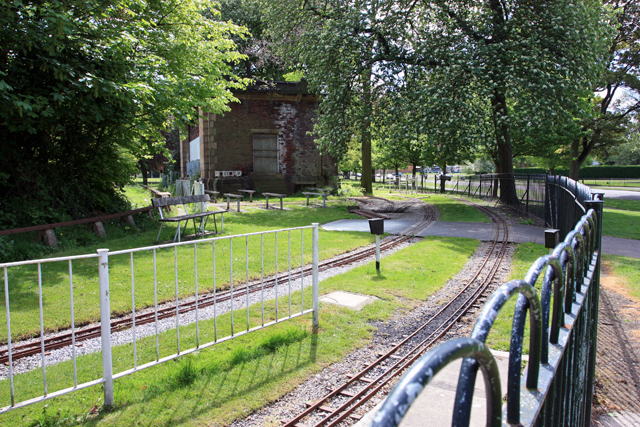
(165, 312)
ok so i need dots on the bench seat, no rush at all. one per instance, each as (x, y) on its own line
(184, 201)
(323, 195)
(281, 196)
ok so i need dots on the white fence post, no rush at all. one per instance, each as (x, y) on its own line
(105, 325)
(316, 306)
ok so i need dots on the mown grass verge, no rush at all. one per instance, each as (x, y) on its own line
(500, 335)
(24, 288)
(234, 378)
(621, 223)
(450, 208)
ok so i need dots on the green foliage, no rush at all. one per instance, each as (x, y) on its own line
(626, 154)
(621, 223)
(85, 89)
(590, 171)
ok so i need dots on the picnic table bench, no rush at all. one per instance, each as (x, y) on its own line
(249, 192)
(322, 194)
(267, 195)
(238, 198)
(184, 201)
(319, 190)
(214, 194)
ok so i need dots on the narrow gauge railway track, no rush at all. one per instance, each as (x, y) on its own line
(60, 340)
(341, 403)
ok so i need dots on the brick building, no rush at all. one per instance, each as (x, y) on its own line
(263, 139)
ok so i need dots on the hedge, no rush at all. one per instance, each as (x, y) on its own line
(590, 172)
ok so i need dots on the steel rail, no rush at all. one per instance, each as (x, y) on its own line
(331, 416)
(65, 339)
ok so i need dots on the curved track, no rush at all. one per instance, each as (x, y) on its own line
(342, 402)
(66, 338)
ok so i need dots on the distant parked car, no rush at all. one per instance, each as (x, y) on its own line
(390, 176)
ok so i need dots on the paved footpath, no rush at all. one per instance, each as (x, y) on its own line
(482, 231)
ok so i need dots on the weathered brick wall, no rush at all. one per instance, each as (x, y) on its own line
(228, 139)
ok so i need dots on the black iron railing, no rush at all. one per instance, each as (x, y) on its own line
(560, 295)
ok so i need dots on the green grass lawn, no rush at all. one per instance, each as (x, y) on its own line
(500, 335)
(621, 223)
(23, 280)
(628, 205)
(234, 378)
(450, 208)
(138, 196)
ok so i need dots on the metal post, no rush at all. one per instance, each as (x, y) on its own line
(377, 253)
(528, 181)
(598, 207)
(316, 305)
(105, 325)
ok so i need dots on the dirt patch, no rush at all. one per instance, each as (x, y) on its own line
(617, 385)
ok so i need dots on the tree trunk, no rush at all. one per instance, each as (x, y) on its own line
(143, 169)
(365, 131)
(578, 155)
(505, 152)
(496, 183)
(442, 180)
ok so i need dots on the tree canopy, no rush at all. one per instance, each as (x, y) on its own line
(85, 83)
(528, 66)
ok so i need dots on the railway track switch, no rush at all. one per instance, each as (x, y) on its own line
(376, 225)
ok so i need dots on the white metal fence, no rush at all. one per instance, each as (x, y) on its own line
(243, 290)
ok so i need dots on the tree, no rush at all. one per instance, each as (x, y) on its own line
(260, 60)
(530, 63)
(84, 83)
(325, 39)
(618, 94)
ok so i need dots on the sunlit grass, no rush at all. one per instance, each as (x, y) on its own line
(234, 378)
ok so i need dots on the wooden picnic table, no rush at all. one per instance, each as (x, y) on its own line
(249, 192)
(267, 195)
(323, 195)
(238, 198)
(212, 193)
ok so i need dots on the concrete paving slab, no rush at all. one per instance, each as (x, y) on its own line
(434, 406)
(347, 299)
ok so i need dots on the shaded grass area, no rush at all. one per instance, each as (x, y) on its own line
(138, 196)
(628, 269)
(619, 223)
(177, 268)
(500, 334)
(234, 378)
(628, 205)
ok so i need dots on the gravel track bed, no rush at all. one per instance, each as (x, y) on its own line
(388, 334)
